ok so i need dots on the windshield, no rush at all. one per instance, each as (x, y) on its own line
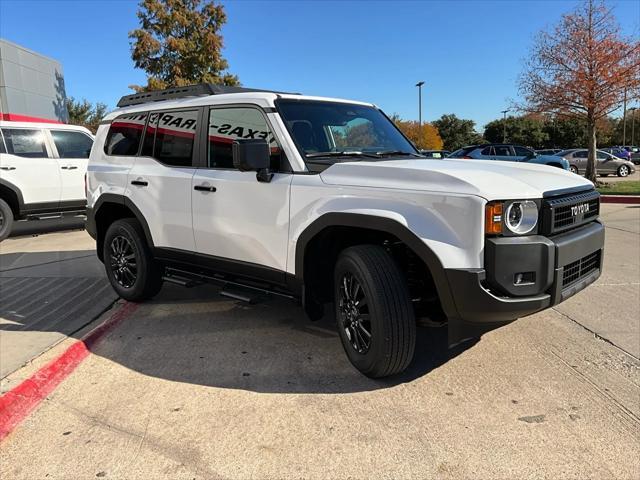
(332, 132)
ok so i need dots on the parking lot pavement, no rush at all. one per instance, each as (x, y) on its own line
(51, 286)
(611, 307)
(194, 385)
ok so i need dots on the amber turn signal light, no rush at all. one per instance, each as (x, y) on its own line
(493, 218)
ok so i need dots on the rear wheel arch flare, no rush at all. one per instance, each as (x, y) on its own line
(110, 208)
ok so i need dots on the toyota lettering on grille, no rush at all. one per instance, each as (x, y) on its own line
(579, 209)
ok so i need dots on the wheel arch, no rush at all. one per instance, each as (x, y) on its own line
(320, 238)
(12, 195)
(111, 207)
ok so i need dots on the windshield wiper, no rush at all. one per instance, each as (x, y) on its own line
(341, 154)
(396, 152)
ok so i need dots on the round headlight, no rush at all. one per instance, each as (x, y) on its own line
(521, 217)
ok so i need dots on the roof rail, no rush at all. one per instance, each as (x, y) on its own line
(182, 92)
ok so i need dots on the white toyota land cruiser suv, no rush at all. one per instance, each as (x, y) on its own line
(42, 167)
(325, 201)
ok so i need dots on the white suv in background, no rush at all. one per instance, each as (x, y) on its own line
(326, 202)
(42, 168)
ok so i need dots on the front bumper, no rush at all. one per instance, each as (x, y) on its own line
(557, 267)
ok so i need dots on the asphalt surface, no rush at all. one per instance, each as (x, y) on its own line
(194, 385)
(51, 286)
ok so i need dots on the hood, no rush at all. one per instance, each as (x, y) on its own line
(492, 180)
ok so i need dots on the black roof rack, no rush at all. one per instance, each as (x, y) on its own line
(182, 92)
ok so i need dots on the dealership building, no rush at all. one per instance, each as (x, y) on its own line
(31, 85)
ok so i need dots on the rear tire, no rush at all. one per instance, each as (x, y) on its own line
(573, 169)
(376, 320)
(133, 272)
(6, 219)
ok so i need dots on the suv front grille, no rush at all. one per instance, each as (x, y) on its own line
(580, 268)
(563, 213)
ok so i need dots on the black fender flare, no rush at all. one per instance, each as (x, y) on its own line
(112, 198)
(10, 186)
(382, 224)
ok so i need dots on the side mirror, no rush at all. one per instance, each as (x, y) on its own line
(253, 155)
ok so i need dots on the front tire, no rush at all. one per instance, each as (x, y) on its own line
(130, 266)
(6, 219)
(623, 171)
(375, 317)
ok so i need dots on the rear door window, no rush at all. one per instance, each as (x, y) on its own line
(502, 151)
(124, 135)
(72, 144)
(487, 151)
(24, 142)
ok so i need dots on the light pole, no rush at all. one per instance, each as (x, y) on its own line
(633, 125)
(419, 85)
(624, 120)
(504, 125)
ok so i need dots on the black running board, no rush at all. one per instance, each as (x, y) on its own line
(230, 288)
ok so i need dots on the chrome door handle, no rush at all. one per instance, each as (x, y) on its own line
(7, 168)
(205, 188)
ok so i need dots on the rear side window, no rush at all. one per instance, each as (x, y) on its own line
(25, 142)
(582, 154)
(487, 151)
(175, 134)
(72, 144)
(124, 135)
(2, 149)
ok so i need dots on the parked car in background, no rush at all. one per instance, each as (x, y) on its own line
(435, 153)
(634, 154)
(549, 151)
(618, 152)
(42, 168)
(607, 163)
(508, 152)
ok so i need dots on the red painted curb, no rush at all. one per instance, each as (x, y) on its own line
(620, 198)
(20, 401)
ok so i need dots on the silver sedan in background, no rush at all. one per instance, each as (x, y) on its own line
(606, 163)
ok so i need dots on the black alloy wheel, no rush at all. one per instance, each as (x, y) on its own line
(354, 314)
(123, 261)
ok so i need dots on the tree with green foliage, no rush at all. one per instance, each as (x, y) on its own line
(85, 113)
(456, 132)
(179, 43)
(528, 131)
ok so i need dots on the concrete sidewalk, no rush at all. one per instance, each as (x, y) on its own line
(611, 307)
